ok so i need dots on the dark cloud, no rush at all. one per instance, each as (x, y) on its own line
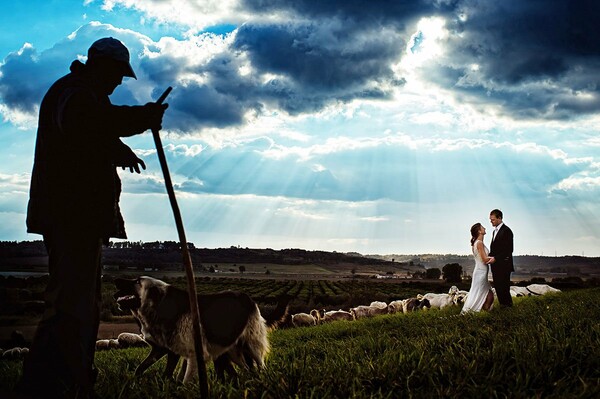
(514, 41)
(311, 66)
(533, 56)
(20, 86)
(328, 60)
(26, 74)
(534, 59)
(367, 13)
(195, 106)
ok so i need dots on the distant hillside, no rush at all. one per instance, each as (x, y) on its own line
(235, 255)
(572, 265)
(164, 255)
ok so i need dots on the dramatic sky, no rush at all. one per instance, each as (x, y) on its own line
(374, 126)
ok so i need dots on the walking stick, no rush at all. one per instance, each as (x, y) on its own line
(187, 260)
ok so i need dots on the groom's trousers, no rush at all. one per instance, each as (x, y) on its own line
(501, 274)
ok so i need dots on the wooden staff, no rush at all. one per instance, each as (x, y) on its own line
(187, 260)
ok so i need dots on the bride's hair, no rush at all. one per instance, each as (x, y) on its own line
(475, 232)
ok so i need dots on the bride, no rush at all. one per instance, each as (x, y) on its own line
(480, 295)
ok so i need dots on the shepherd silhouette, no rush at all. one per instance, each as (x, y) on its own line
(74, 204)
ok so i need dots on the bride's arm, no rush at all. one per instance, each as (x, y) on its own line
(486, 259)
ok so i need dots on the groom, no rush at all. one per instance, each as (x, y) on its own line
(501, 250)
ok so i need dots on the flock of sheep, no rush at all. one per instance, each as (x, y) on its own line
(454, 297)
(124, 340)
(430, 300)
(14, 353)
(427, 301)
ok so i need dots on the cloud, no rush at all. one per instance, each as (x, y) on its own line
(529, 60)
(579, 183)
(192, 15)
(18, 80)
(146, 183)
(328, 56)
(288, 68)
(502, 57)
(223, 81)
(397, 167)
(397, 13)
(278, 58)
(185, 150)
(14, 190)
(14, 182)
(26, 74)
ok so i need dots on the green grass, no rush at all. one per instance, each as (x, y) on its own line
(544, 347)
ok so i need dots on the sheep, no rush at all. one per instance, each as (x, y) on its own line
(335, 315)
(541, 289)
(395, 306)
(414, 304)
(303, 320)
(438, 301)
(316, 314)
(378, 310)
(532, 289)
(130, 340)
(15, 353)
(104, 344)
(516, 291)
(459, 296)
(362, 311)
(378, 304)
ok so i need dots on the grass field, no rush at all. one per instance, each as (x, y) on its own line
(544, 347)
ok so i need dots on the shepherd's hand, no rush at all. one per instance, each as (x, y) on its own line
(133, 163)
(154, 115)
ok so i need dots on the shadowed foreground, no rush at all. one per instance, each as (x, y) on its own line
(543, 347)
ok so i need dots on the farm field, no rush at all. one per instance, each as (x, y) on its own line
(546, 347)
(306, 294)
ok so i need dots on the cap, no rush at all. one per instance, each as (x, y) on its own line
(109, 47)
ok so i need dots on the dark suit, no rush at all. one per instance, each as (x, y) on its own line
(501, 249)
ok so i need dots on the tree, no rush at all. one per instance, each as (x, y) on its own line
(452, 272)
(418, 275)
(433, 274)
(242, 268)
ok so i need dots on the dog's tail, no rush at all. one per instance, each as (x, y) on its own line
(280, 314)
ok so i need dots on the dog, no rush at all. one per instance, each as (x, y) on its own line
(233, 329)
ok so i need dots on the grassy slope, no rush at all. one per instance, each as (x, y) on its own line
(543, 347)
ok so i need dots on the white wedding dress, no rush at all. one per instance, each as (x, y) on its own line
(480, 286)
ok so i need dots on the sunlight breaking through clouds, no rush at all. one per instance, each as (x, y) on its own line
(323, 125)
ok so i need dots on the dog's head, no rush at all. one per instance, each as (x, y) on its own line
(131, 293)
